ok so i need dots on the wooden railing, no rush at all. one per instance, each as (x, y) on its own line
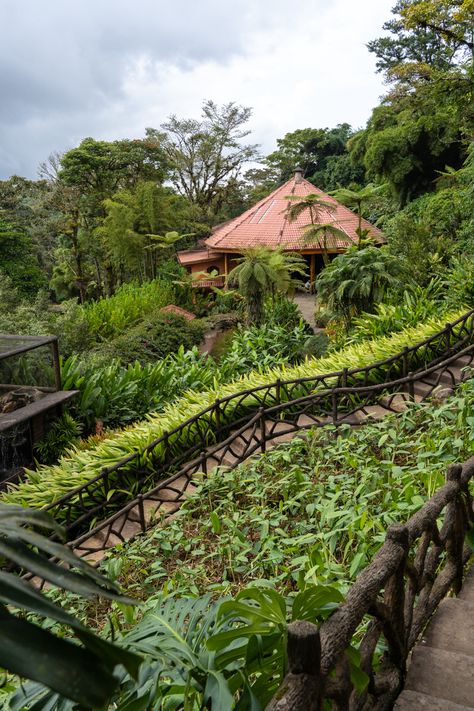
(235, 427)
(241, 424)
(385, 610)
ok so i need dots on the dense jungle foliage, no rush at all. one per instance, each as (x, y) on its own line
(89, 252)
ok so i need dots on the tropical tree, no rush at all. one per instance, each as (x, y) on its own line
(261, 272)
(287, 266)
(357, 199)
(320, 233)
(356, 280)
(313, 204)
(321, 153)
(206, 156)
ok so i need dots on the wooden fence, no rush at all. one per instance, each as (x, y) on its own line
(97, 513)
(240, 425)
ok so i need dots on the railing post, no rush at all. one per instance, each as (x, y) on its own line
(278, 391)
(301, 689)
(405, 366)
(141, 512)
(263, 430)
(204, 463)
(455, 519)
(217, 411)
(334, 405)
(166, 447)
(105, 479)
(344, 377)
(411, 387)
(449, 330)
(394, 599)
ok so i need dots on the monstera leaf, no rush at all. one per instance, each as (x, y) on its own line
(80, 669)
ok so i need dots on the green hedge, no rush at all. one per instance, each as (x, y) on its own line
(48, 483)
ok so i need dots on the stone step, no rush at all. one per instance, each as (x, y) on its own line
(441, 674)
(369, 412)
(463, 361)
(399, 402)
(413, 701)
(307, 421)
(452, 627)
(423, 389)
(449, 376)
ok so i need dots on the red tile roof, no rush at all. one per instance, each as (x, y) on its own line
(266, 224)
(171, 308)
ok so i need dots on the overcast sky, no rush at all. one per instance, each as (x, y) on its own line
(109, 68)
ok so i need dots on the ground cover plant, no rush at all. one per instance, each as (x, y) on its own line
(278, 538)
(48, 483)
(130, 303)
(116, 395)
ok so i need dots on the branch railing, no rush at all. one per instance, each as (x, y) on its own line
(337, 407)
(235, 427)
(386, 609)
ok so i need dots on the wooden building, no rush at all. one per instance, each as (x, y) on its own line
(266, 224)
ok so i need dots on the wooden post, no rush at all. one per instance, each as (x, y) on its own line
(405, 362)
(312, 272)
(449, 329)
(56, 365)
(301, 689)
(263, 430)
(394, 598)
(278, 391)
(455, 516)
(141, 512)
(217, 413)
(334, 405)
(226, 267)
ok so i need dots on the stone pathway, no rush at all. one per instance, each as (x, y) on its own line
(307, 305)
(441, 672)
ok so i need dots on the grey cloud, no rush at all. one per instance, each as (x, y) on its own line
(61, 58)
(108, 68)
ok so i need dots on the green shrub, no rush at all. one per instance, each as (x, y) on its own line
(129, 305)
(266, 346)
(49, 483)
(415, 305)
(282, 312)
(296, 525)
(153, 339)
(62, 435)
(117, 395)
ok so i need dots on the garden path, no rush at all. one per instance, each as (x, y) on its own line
(306, 304)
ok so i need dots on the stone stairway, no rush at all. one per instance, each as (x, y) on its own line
(129, 524)
(441, 672)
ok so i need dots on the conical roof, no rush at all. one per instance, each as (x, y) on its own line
(266, 224)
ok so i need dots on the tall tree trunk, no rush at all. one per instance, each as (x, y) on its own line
(255, 309)
(78, 260)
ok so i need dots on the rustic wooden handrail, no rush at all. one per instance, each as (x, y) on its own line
(417, 565)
